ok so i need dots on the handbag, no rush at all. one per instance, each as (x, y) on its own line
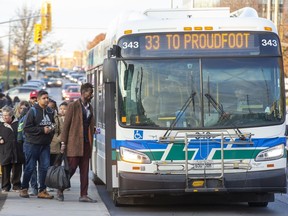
(58, 175)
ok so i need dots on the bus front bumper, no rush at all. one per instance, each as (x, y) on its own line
(272, 181)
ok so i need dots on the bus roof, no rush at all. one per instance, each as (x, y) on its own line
(218, 19)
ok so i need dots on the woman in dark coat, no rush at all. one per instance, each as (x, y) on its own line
(11, 153)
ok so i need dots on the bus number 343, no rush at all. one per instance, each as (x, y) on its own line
(133, 45)
(269, 42)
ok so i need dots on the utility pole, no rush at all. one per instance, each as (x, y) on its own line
(269, 9)
(276, 9)
(8, 60)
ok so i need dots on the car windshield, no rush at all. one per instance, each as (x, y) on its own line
(200, 93)
(73, 90)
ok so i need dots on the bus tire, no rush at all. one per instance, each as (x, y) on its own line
(258, 204)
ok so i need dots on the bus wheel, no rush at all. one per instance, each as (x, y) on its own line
(258, 204)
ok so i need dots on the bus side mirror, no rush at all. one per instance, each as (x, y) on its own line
(109, 70)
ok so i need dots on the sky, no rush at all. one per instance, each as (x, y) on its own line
(75, 22)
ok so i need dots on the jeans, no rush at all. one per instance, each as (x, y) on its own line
(34, 179)
(34, 153)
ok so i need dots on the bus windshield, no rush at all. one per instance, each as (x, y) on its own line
(201, 92)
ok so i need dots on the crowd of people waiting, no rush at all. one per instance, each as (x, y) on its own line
(31, 137)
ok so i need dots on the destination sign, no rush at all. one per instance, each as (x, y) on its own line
(199, 43)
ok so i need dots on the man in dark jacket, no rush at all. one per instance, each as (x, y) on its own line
(11, 152)
(39, 131)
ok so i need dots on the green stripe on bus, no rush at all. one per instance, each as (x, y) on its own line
(237, 154)
(177, 153)
(114, 155)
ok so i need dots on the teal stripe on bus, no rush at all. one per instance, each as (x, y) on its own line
(237, 154)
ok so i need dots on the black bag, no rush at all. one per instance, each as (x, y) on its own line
(58, 175)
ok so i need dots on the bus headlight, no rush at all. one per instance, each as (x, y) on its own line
(273, 153)
(133, 156)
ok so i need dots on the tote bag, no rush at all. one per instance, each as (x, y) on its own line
(58, 175)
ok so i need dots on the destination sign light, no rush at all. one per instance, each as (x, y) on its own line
(198, 43)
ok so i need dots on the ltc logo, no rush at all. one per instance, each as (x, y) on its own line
(138, 134)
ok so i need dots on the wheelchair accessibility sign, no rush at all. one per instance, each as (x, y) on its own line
(138, 134)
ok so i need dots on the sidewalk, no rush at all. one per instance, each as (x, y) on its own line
(17, 206)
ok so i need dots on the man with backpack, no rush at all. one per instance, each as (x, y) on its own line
(39, 131)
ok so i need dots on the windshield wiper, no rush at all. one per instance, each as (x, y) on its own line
(179, 114)
(219, 108)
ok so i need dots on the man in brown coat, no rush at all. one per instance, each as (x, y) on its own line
(77, 139)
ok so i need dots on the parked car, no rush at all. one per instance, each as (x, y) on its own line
(65, 87)
(20, 93)
(39, 81)
(33, 85)
(54, 82)
(72, 93)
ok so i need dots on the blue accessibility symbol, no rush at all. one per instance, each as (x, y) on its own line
(138, 134)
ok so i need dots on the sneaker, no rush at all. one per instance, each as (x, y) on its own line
(44, 195)
(34, 192)
(24, 193)
(5, 191)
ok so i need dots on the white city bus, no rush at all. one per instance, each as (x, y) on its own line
(168, 112)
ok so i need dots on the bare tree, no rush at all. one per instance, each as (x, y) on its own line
(284, 28)
(236, 4)
(22, 38)
(22, 35)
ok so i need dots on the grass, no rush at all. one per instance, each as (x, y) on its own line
(12, 75)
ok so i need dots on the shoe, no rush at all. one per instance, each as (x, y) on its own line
(87, 199)
(60, 197)
(44, 195)
(5, 191)
(34, 192)
(24, 193)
